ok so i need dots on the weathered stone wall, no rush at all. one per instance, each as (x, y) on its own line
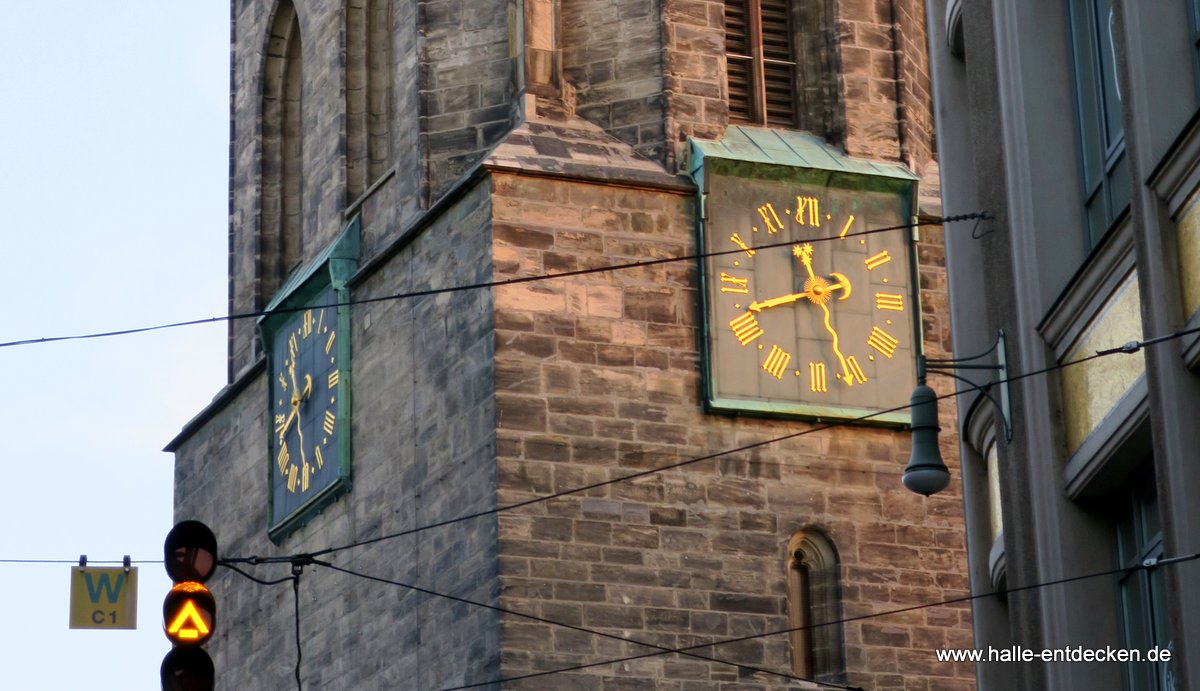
(452, 100)
(868, 55)
(423, 445)
(597, 378)
(462, 401)
(612, 56)
(322, 178)
(468, 95)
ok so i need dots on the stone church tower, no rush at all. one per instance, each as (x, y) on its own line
(722, 373)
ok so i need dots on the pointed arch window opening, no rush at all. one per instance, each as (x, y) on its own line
(280, 237)
(814, 601)
(369, 109)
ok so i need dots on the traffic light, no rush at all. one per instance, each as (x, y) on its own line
(189, 610)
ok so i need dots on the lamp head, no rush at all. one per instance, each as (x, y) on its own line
(926, 474)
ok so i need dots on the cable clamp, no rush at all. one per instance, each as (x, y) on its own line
(299, 562)
(1150, 562)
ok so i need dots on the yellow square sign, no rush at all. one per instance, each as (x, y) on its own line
(103, 598)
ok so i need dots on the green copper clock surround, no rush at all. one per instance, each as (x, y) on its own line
(306, 339)
(822, 324)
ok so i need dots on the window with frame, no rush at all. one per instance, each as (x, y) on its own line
(1142, 592)
(781, 65)
(1105, 167)
(814, 601)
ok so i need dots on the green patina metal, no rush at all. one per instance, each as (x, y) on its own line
(754, 153)
(782, 154)
(329, 271)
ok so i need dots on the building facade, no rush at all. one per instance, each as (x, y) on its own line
(1073, 123)
(483, 474)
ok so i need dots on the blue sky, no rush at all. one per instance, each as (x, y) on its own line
(113, 185)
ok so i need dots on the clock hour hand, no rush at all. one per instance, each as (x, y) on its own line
(817, 290)
(307, 387)
(758, 306)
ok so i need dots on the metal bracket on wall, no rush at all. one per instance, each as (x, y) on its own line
(947, 366)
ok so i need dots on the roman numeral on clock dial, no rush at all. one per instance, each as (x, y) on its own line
(745, 328)
(816, 377)
(770, 218)
(883, 342)
(776, 362)
(889, 301)
(733, 284)
(283, 457)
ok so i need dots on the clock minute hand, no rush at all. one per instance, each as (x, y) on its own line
(307, 388)
(296, 398)
(287, 423)
(804, 254)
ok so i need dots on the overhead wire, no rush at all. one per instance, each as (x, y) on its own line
(473, 286)
(573, 627)
(90, 562)
(295, 580)
(670, 466)
(1127, 348)
(1149, 564)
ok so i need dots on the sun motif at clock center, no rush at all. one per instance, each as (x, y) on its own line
(809, 302)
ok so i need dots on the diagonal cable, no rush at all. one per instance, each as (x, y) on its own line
(471, 286)
(727, 641)
(657, 469)
(662, 649)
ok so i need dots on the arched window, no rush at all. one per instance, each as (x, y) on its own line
(368, 94)
(814, 600)
(279, 235)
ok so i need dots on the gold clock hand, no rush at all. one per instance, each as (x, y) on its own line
(842, 284)
(818, 286)
(757, 306)
(804, 254)
(307, 387)
(836, 350)
(296, 403)
(300, 433)
(288, 423)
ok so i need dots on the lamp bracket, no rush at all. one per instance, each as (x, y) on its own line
(948, 366)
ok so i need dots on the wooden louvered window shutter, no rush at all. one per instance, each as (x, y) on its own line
(761, 58)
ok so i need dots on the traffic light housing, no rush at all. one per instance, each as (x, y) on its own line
(189, 609)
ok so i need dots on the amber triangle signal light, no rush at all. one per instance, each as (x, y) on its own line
(189, 609)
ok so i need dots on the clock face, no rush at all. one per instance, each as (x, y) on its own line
(822, 326)
(306, 408)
